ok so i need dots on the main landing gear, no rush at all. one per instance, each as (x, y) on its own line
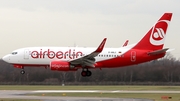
(86, 73)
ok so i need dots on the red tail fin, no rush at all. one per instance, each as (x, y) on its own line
(154, 39)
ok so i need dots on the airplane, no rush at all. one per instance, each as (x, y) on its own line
(149, 48)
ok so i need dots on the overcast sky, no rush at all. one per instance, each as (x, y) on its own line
(25, 23)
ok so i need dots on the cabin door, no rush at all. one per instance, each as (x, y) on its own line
(26, 54)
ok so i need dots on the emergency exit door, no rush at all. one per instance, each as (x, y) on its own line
(133, 56)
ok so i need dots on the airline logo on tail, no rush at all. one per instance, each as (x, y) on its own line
(158, 33)
(155, 37)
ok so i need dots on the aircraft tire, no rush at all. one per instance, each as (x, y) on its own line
(22, 72)
(83, 73)
(88, 73)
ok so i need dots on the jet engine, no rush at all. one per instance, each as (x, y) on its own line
(62, 66)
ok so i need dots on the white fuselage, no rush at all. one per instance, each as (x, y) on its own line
(44, 55)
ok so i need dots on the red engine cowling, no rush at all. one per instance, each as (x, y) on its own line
(17, 66)
(62, 66)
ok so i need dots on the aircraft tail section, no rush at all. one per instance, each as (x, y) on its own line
(154, 39)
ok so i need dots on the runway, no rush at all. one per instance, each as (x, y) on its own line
(18, 94)
(21, 94)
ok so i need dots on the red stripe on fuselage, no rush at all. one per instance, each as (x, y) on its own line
(126, 60)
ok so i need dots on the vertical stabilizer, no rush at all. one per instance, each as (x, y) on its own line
(154, 39)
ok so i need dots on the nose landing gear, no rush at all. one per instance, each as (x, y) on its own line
(22, 71)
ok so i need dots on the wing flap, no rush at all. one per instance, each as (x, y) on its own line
(89, 63)
(158, 51)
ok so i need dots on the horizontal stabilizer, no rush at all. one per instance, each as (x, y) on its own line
(158, 51)
(170, 50)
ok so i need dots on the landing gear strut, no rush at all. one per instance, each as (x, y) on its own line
(86, 73)
(22, 71)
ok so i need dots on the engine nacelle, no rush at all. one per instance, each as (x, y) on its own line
(62, 66)
(17, 66)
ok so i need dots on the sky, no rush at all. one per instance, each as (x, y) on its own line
(27, 23)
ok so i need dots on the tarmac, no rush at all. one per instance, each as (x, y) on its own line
(22, 94)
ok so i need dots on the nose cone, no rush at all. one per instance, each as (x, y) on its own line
(6, 58)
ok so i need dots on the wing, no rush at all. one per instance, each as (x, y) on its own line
(89, 60)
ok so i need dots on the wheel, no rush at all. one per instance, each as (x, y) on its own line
(83, 73)
(22, 72)
(88, 73)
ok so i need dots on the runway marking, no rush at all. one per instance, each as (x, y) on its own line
(66, 91)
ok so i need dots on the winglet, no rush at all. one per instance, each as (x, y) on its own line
(126, 43)
(101, 46)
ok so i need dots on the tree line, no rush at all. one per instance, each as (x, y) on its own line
(165, 70)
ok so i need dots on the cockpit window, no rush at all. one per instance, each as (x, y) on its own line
(14, 53)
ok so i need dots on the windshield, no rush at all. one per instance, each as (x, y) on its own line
(14, 53)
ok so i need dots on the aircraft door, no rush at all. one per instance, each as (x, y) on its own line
(26, 54)
(133, 56)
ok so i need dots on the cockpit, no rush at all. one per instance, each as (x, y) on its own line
(14, 53)
(14, 57)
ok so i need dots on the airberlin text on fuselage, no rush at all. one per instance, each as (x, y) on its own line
(71, 54)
